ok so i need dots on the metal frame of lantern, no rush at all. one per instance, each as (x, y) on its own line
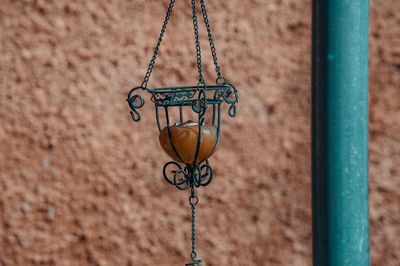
(196, 98)
(188, 174)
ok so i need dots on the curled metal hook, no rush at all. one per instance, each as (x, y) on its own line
(135, 102)
(231, 97)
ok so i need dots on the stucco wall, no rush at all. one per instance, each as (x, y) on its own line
(80, 184)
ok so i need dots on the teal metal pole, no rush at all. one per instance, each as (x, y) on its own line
(340, 133)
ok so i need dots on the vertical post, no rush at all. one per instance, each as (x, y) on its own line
(340, 133)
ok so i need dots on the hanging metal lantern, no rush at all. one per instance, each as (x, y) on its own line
(189, 143)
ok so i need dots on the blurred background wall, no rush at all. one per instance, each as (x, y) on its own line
(80, 184)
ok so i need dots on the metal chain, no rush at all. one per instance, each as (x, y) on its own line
(193, 201)
(197, 40)
(155, 53)
(211, 40)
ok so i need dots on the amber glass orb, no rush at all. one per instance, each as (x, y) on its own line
(185, 137)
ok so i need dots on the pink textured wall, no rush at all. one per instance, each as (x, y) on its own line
(80, 184)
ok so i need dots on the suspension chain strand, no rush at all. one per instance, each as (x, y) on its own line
(197, 40)
(160, 38)
(193, 201)
(211, 40)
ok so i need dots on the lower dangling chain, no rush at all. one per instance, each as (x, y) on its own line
(193, 201)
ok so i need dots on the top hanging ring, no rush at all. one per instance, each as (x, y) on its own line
(220, 81)
(201, 83)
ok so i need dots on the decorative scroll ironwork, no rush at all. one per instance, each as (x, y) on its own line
(229, 96)
(171, 98)
(183, 177)
(185, 95)
(135, 102)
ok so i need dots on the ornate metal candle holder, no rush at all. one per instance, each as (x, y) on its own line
(193, 173)
(188, 143)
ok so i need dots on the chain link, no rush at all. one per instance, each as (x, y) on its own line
(160, 38)
(194, 254)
